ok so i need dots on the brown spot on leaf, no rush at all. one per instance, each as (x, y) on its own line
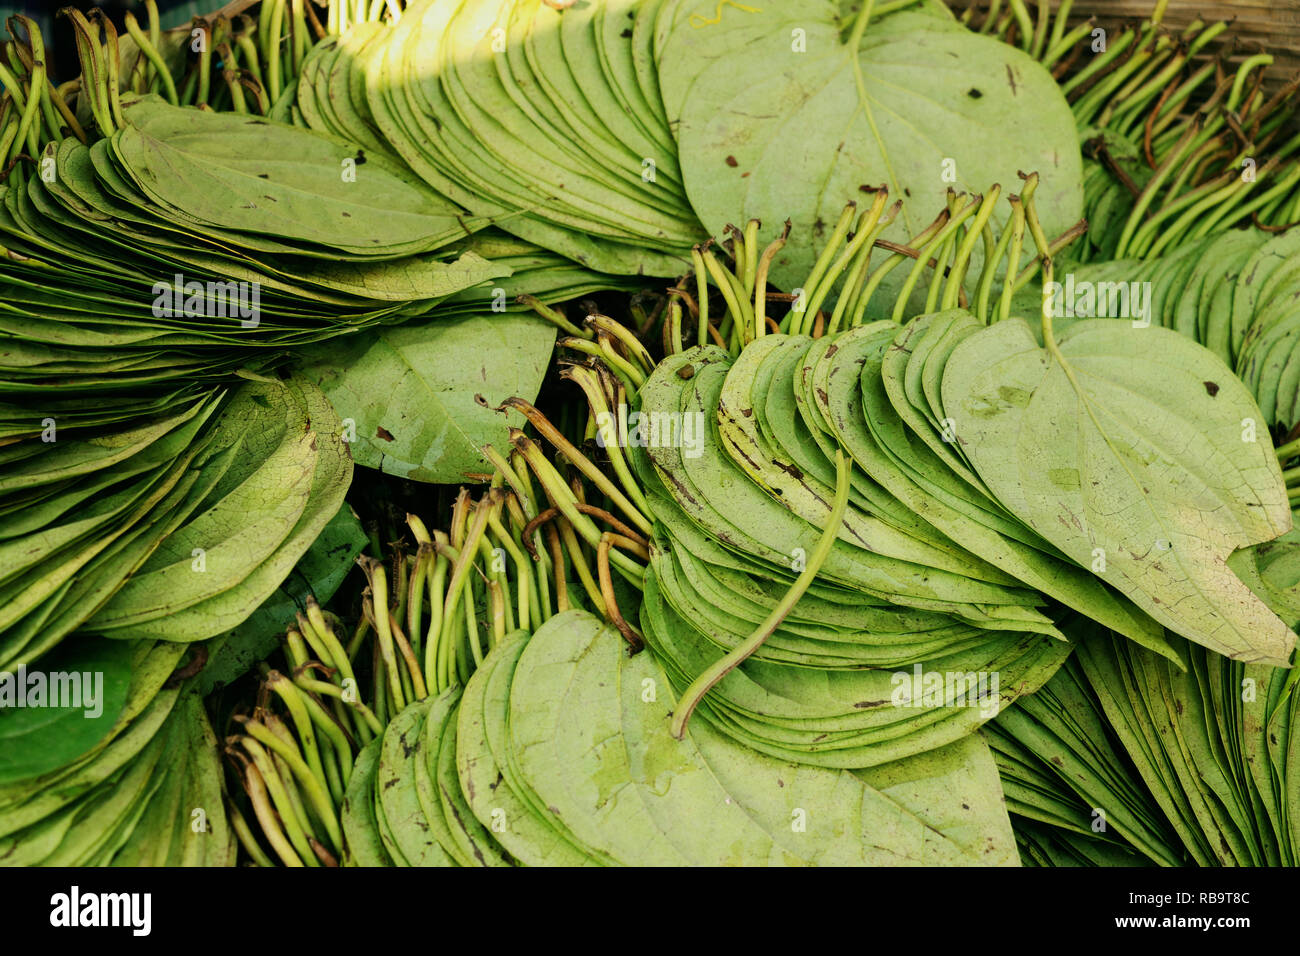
(384, 433)
(1211, 388)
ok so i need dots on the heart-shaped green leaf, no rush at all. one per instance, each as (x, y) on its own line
(1131, 450)
(778, 117)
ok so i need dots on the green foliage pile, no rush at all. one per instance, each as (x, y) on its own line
(842, 582)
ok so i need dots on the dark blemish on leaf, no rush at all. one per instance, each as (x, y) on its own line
(384, 433)
(1211, 388)
(831, 350)
(263, 175)
(820, 738)
(868, 704)
(360, 158)
(461, 823)
(686, 372)
(1178, 706)
(1011, 78)
(747, 412)
(974, 93)
(626, 34)
(965, 806)
(1058, 762)
(196, 663)
(780, 782)
(907, 192)
(792, 470)
(732, 162)
(388, 784)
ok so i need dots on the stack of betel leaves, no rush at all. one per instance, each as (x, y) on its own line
(174, 528)
(132, 781)
(1130, 758)
(870, 537)
(547, 121)
(1235, 293)
(964, 529)
(558, 753)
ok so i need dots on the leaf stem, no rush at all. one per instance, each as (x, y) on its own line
(693, 694)
(860, 26)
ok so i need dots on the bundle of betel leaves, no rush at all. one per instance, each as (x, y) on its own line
(940, 513)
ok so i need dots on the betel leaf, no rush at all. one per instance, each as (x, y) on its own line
(290, 474)
(38, 739)
(1128, 449)
(235, 172)
(412, 392)
(589, 733)
(778, 116)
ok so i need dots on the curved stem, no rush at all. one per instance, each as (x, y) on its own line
(693, 694)
(608, 540)
(702, 295)
(154, 57)
(760, 280)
